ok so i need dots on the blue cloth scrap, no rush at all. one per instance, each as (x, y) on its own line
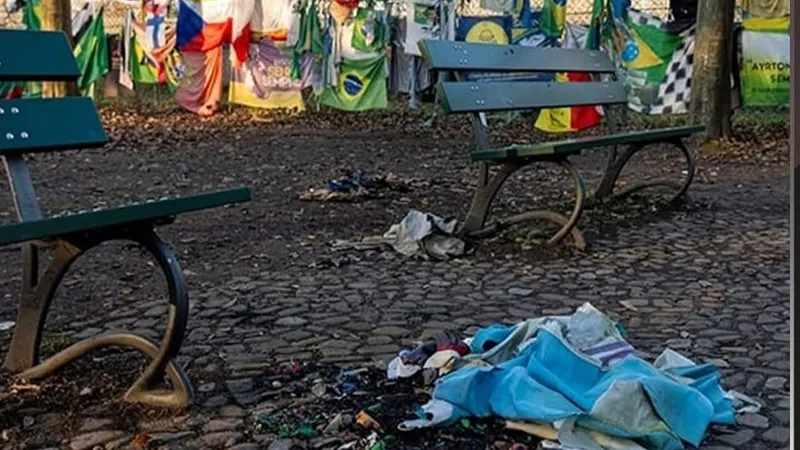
(550, 381)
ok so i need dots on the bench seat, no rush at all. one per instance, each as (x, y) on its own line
(570, 146)
(147, 211)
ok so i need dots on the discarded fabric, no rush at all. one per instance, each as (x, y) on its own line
(397, 368)
(549, 370)
(423, 234)
(434, 358)
(354, 186)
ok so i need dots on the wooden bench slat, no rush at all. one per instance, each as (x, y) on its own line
(36, 56)
(97, 219)
(568, 146)
(462, 56)
(516, 95)
(43, 125)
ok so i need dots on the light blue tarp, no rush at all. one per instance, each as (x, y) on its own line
(547, 379)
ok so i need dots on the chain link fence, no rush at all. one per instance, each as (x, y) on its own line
(578, 11)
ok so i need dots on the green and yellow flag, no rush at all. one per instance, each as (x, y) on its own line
(554, 18)
(361, 86)
(91, 53)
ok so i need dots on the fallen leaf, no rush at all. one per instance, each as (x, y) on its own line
(141, 440)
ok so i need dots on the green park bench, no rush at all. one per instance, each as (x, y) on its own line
(45, 125)
(464, 96)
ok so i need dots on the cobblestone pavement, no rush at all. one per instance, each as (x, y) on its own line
(712, 284)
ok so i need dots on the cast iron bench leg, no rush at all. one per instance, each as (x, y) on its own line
(605, 189)
(23, 355)
(475, 224)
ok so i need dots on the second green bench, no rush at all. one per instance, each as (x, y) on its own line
(473, 97)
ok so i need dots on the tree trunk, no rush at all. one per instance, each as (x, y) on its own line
(711, 72)
(57, 16)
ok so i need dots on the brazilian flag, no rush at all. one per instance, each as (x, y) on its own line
(361, 86)
(652, 51)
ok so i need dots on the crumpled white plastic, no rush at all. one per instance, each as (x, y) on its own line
(398, 369)
(435, 412)
(427, 233)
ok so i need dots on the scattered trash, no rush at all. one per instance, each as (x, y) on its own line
(378, 445)
(579, 368)
(349, 382)
(85, 391)
(544, 431)
(442, 362)
(24, 387)
(399, 369)
(141, 440)
(265, 423)
(431, 414)
(366, 421)
(356, 186)
(418, 234)
(339, 422)
(303, 430)
(291, 368)
(5, 326)
(742, 403)
(580, 365)
(434, 358)
(628, 305)
(426, 235)
(319, 388)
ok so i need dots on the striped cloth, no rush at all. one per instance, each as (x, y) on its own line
(609, 351)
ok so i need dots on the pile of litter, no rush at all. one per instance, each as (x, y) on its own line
(557, 382)
(575, 382)
(322, 407)
(419, 234)
(358, 186)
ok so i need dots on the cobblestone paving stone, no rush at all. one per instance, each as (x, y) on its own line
(712, 284)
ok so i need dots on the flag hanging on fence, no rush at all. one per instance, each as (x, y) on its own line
(200, 89)
(273, 19)
(593, 36)
(569, 119)
(575, 118)
(485, 30)
(150, 55)
(766, 76)
(91, 54)
(207, 24)
(765, 8)
(554, 18)
(646, 50)
(361, 86)
(265, 79)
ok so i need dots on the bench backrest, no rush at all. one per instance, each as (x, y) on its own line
(41, 124)
(469, 96)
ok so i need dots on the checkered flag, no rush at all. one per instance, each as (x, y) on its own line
(674, 94)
